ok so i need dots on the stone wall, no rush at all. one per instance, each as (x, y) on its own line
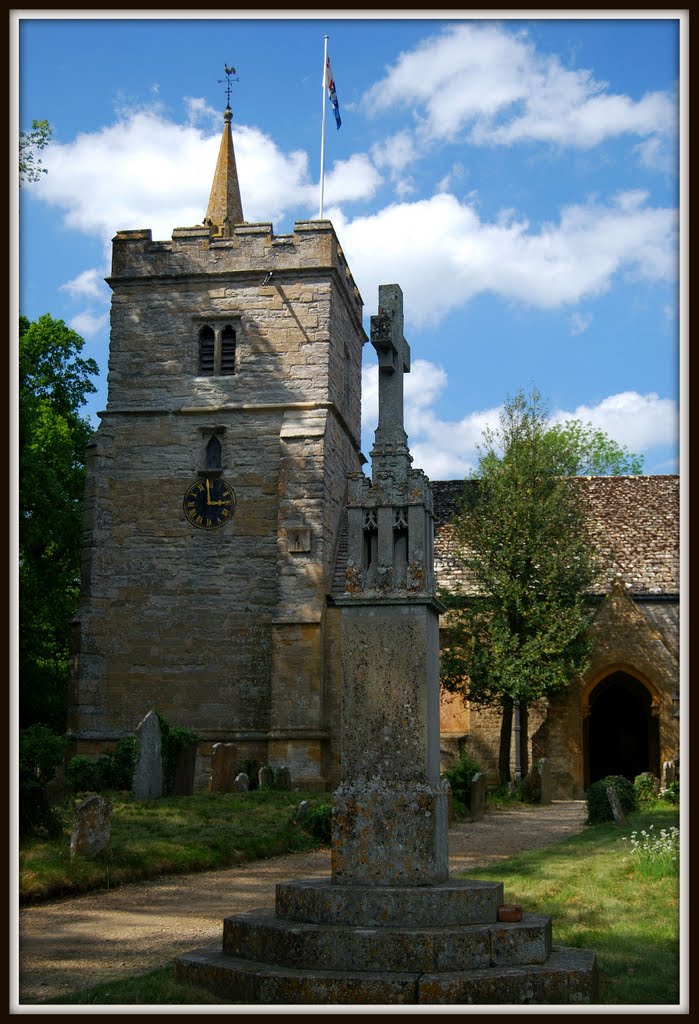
(220, 630)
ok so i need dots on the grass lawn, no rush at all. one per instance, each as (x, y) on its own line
(167, 836)
(598, 893)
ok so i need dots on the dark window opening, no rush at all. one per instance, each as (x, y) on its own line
(207, 345)
(213, 454)
(371, 547)
(227, 350)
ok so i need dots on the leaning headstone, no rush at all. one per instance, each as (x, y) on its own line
(222, 768)
(148, 773)
(284, 777)
(184, 770)
(241, 783)
(477, 809)
(545, 781)
(91, 827)
(615, 805)
(265, 777)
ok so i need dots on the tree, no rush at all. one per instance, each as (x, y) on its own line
(53, 382)
(525, 551)
(29, 142)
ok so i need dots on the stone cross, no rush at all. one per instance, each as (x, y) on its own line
(394, 360)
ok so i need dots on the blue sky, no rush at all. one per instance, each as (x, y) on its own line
(519, 178)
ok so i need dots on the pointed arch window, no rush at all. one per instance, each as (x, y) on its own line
(213, 453)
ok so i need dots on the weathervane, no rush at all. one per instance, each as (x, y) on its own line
(229, 71)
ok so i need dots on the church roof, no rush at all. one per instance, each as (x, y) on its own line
(633, 520)
(225, 208)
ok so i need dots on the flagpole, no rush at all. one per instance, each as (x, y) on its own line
(322, 133)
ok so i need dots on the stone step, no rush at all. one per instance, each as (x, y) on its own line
(569, 976)
(264, 937)
(455, 902)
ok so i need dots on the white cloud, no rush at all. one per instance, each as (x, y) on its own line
(636, 421)
(493, 84)
(89, 284)
(460, 256)
(145, 171)
(89, 324)
(579, 323)
(447, 449)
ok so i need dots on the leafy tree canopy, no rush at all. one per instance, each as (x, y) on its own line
(30, 143)
(53, 382)
(525, 552)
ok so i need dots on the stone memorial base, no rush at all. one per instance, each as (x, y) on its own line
(390, 944)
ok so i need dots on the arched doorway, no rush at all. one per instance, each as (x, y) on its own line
(621, 729)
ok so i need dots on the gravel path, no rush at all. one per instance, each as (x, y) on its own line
(86, 940)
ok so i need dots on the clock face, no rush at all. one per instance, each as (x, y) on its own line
(209, 503)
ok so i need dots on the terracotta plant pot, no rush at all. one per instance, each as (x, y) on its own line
(509, 912)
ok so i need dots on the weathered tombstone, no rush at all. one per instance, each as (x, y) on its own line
(148, 773)
(669, 774)
(302, 811)
(446, 786)
(265, 777)
(615, 805)
(545, 781)
(477, 809)
(241, 783)
(184, 770)
(222, 767)
(284, 777)
(91, 827)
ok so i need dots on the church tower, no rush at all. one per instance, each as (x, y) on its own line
(216, 487)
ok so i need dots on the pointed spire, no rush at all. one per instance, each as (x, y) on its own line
(225, 208)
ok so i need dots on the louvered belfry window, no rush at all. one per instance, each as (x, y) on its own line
(207, 351)
(227, 350)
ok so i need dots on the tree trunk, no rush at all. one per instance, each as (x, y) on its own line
(504, 774)
(524, 739)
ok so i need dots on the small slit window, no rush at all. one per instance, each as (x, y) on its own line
(207, 351)
(213, 454)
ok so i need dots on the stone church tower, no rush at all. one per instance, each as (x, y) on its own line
(216, 488)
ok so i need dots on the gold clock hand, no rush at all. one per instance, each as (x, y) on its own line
(208, 493)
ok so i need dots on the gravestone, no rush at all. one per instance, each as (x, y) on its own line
(223, 756)
(284, 778)
(478, 795)
(545, 781)
(241, 783)
(669, 774)
(446, 786)
(265, 777)
(615, 805)
(148, 773)
(389, 925)
(91, 827)
(302, 811)
(184, 771)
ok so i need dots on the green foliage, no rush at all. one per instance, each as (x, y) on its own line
(598, 806)
(83, 775)
(461, 776)
(525, 551)
(655, 854)
(53, 383)
(318, 821)
(121, 763)
(672, 793)
(646, 788)
(40, 754)
(584, 451)
(38, 138)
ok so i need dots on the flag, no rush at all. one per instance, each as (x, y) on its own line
(332, 95)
